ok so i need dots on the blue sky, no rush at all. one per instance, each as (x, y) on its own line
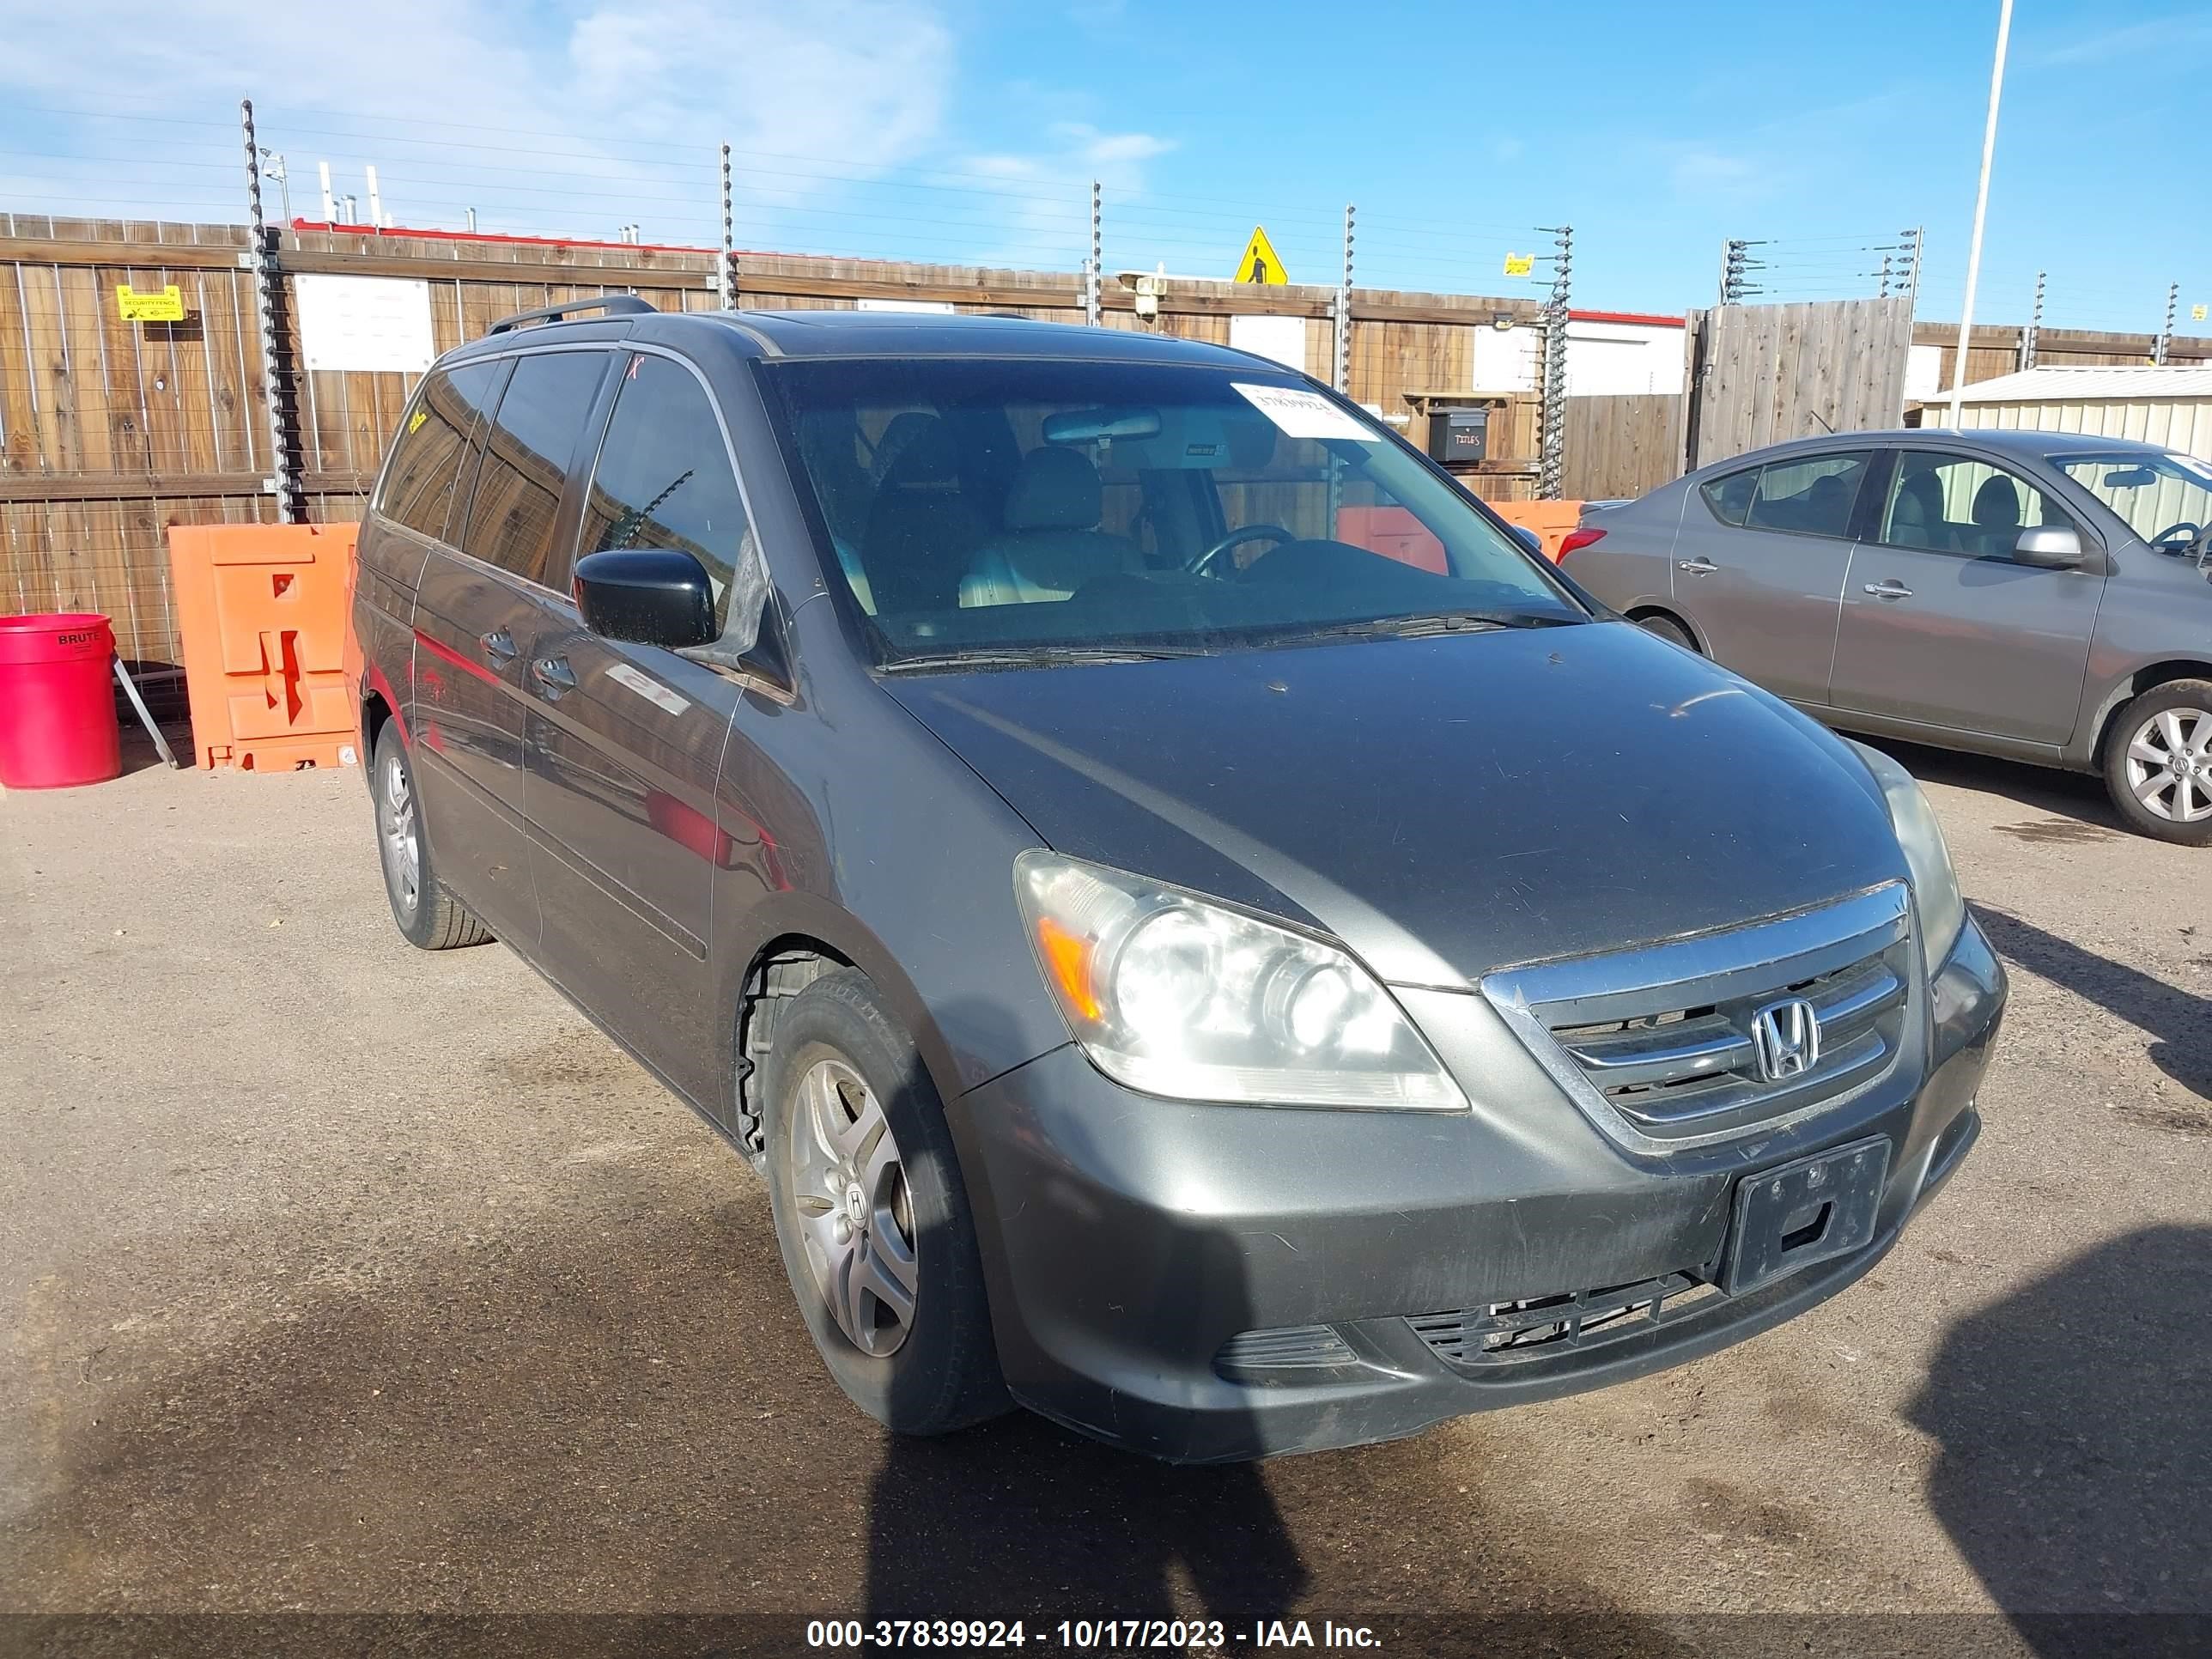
(969, 129)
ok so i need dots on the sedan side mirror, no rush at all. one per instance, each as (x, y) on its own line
(648, 595)
(2049, 547)
(1528, 538)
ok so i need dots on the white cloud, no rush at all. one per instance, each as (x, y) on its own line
(573, 127)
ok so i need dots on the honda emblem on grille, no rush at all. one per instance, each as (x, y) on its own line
(1787, 1034)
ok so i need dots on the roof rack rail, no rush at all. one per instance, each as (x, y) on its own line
(618, 304)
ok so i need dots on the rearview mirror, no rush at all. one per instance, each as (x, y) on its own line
(2048, 547)
(647, 595)
(2130, 478)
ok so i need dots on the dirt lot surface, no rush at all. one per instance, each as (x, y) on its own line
(340, 1277)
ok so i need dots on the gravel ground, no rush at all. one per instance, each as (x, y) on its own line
(342, 1279)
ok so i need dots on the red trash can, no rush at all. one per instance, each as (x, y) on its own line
(57, 700)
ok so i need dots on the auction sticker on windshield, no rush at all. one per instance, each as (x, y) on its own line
(1302, 414)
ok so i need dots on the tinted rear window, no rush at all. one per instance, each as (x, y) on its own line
(525, 462)
(1811, 497)
(427, 459)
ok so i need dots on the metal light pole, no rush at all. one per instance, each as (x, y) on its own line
(1981, 210)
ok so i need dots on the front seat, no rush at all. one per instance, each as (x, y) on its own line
(921, 532)
(1052, 544)
(1996, 515)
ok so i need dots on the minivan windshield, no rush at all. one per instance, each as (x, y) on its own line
(994, 511)
(2165, 499)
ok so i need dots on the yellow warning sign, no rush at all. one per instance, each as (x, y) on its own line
(2197, 314)
(1520, 265)
(167, 306)
(1260, 263)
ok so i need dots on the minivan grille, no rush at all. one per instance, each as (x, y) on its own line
(1667, 1039)
(1501, 1331)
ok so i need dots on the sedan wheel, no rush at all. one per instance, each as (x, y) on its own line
(2169, 766)
(855, 1215)
(2157, 760)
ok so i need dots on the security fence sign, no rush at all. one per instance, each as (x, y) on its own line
(1520, 265)
(369, 324)
(161, 306)
(1260, 263)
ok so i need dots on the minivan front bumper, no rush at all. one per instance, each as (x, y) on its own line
(1207, 1283)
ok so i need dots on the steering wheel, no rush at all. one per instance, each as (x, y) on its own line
(2178, 537)
(1203, 564)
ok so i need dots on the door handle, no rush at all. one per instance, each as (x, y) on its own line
(553, 677)
(498, 645)
(1700, 565)
(1889, 588)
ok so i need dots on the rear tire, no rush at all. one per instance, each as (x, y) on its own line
(429, 918)
(1667, 629)
(866, 1192)
(2157, 763)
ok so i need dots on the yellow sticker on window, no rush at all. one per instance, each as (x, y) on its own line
(418, 418)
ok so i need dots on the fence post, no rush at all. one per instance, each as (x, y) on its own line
(284, 480)
(1341, 378)
(725, 286)
(1093, 296)
(2032, 338)
(2165, 341)
(1551, 472)
(1914, 239)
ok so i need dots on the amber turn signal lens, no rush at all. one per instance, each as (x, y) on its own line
(1069, 959)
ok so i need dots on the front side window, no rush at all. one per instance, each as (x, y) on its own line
(976, 504)
(531, 442)
(1812, 496)
(2165, 499)
(664, 480)
(1948, 503)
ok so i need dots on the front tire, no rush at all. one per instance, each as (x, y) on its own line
(429, 918)
(872, 1215)
(2157, 763)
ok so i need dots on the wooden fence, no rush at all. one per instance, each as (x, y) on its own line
(1763, 375)
(111, 431)
(1997, 349)
(1622, 445)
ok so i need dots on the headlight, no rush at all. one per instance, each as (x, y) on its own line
(1177, 997)
(1935, 883)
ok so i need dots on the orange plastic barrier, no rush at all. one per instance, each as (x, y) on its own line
(263, 610)
(1551, 520)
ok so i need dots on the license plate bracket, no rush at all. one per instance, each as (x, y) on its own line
(1815, 1210)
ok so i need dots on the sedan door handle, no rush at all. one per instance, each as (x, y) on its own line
(499, 645)
(1889, 588)
(1700, 565)
(553, 677)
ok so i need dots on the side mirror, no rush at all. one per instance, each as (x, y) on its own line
(1528, 538)
(647, 595)
(2049, 547)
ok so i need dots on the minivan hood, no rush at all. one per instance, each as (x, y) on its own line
(1446, 806)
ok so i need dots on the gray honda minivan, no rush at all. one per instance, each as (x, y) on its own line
(1204, 934)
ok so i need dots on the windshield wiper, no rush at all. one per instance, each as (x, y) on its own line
(1426, 624)
(1035, 656)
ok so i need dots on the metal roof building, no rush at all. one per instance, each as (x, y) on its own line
(2171, 406)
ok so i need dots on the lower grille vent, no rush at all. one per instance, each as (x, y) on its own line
(1501, 1331)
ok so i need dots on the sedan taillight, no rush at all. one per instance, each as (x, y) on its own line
(1575, 538)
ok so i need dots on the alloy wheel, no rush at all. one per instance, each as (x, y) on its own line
(855, 1215)
(402, 846)
(2169, 765)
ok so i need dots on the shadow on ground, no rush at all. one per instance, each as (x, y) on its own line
(2179, 1020)
(2075, 808)
(2075, 1419)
